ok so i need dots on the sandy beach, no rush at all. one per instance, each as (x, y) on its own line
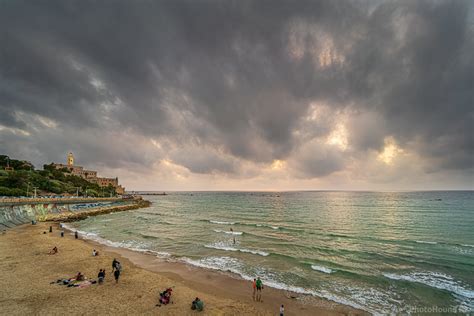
(26, 273)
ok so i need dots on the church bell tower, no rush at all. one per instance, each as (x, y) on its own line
(70, 159)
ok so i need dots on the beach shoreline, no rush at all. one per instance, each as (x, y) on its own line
(145, 275)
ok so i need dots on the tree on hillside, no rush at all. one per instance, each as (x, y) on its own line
(16, 164)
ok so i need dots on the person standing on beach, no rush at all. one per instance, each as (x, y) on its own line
(117, 275)
(254, 287)
(76, 235)
(282, 310)
(259, 285)
(232, 232)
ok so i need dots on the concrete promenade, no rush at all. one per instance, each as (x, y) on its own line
(69, 200)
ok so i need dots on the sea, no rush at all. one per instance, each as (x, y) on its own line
(383, 252)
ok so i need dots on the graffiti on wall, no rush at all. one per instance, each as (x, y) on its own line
(17, 214)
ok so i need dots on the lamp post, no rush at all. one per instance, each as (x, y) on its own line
(34, 188)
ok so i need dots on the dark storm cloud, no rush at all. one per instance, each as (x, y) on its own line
(238, 76)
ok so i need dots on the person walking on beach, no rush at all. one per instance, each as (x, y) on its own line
(76, 235)
(116, 267)
(282, 310)
(259, 285)
(115, 263)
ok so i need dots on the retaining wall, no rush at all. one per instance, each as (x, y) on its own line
(13, 215)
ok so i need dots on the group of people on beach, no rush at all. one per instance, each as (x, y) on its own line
(257, 286)
(116, 269)
(116, 266)
(165, 296)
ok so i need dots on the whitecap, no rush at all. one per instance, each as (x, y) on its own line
(127, 244)
(222, 246)
(216, 263)
(436, 280)
(221, 222)
(227, 232)
(321, 269)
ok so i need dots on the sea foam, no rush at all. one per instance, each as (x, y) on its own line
(321, 269)
(233, 265)
(227, 232)
(436, 280)
(225, 247)
(221, 222)
(127, 244)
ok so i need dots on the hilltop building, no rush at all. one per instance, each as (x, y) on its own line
(89, 175)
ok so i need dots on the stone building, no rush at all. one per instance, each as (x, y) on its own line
(89, 175)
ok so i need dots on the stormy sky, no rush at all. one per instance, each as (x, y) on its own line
(243, 95)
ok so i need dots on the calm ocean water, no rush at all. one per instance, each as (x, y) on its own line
(382, 252)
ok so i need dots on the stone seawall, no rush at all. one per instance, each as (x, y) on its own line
(76, 216)
(13, 215)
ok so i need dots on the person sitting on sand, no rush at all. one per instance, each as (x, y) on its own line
(95, 253)
(101, 276)
(54, 251)
(80, 277)
(197, 304)
(165, 297)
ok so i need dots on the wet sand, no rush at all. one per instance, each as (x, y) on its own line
(26, 271)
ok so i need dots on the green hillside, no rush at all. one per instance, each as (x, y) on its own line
(22, 180)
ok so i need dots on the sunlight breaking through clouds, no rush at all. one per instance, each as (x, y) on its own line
(390, 151)
(308, 94)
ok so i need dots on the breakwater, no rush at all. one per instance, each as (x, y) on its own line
(15, 212)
